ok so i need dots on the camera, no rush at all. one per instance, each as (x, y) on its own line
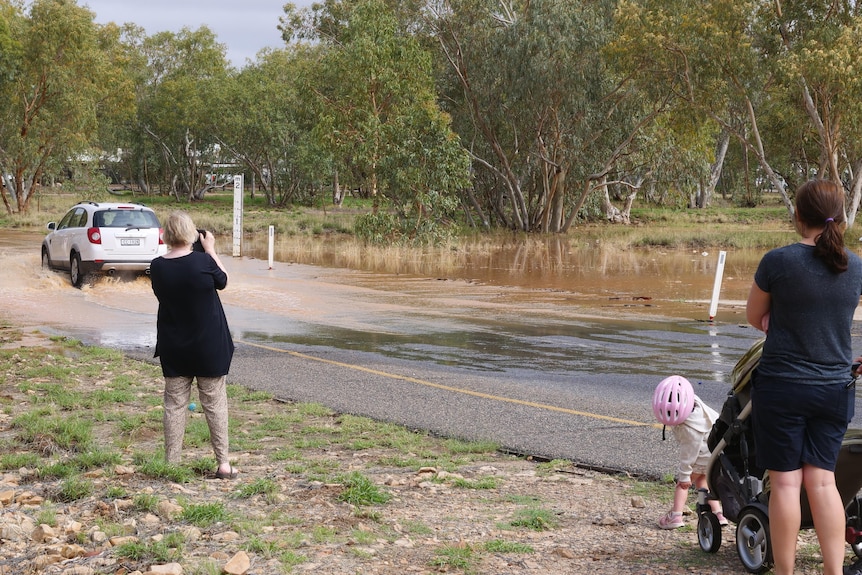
(198, 246)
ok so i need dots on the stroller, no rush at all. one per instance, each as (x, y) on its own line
(743, 489)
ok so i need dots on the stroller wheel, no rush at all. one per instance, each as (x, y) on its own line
(854, 525)
(752, 540)
(708, 532)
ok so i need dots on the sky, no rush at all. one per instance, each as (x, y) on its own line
(244, 26)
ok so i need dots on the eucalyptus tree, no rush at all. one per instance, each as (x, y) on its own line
(815, 47)
(782, 78)
(268, 124)
(57, 74)
(543, 113)
(118, 123)
(378, 112)
(179, 109)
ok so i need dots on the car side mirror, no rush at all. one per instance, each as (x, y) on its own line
(52, 225)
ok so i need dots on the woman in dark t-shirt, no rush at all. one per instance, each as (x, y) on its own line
(803, 297)
(193, 341)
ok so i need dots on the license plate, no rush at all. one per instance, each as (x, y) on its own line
(130, 241)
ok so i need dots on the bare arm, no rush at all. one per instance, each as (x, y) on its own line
(757, 308)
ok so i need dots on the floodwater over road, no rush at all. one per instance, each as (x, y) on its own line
(544, 306)
(591, 329)
(557, 308)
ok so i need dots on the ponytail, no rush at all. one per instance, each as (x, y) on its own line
(829, 247)
(820, 203)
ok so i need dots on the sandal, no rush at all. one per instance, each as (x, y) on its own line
(232, 474)
(671, 520)
(722, 520)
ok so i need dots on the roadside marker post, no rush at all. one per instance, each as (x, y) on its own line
(271, 244)
(716, 288)
(237, 215)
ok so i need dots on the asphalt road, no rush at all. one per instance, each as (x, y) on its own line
(541, 373)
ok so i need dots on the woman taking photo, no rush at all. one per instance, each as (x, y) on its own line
(193, 341)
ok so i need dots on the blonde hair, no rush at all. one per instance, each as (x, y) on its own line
(179, 230)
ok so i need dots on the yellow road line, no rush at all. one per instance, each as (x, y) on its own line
(455, 389)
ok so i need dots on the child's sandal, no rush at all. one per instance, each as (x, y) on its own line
(671, 520)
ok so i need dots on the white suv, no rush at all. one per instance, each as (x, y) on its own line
(103, 237)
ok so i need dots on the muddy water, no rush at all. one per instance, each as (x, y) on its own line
(546, 304)
(589, 329)
(605, 275)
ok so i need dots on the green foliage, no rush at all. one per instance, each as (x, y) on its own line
(501, 546)
(262, 486)
(483, 483)
(95, 458)
(47, 515)
(116, 492)
(535, 519)
(146, 502)
(454, 557)
(178, 90)
(167, 550)
(380, 228)
(50, 431)
(59, 469)
(472, 447)
(74, 488)
(205, 514)
(197, 432)
(58, 58)
(359, 490)
(155, 466)
(10, 461)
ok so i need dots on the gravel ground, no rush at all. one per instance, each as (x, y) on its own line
(491, 514)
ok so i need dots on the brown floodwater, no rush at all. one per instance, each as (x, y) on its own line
(540, 313)
(677, 282)
(586, 328)
(483, 306)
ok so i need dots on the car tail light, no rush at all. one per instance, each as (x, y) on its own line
(161, 241)
(94, 235)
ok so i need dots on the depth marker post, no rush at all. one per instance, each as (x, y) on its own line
(716, 288)
(237, 215)
(271, 244)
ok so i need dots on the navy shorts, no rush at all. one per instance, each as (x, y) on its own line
(796, 424)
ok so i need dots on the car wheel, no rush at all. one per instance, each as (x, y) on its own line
(46, 261)
(75, 274)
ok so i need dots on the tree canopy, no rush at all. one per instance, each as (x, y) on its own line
(530, 115)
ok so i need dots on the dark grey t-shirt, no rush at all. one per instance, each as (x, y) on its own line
(811, 316)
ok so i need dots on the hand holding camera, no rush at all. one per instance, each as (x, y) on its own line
(205, 240)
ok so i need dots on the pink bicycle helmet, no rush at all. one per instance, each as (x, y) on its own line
(673, 400)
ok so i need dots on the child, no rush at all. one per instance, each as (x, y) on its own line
(675, 404)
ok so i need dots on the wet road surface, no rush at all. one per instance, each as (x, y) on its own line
(545, 372)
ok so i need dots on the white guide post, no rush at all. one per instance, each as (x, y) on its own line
(271, 244)
(716, 288)
(237, 215)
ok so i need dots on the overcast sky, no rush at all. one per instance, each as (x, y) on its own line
(244, 26)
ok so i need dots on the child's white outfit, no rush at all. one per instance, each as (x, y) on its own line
(691, 437)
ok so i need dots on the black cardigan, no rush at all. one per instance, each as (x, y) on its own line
(192, 335)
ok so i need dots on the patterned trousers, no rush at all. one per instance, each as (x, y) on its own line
(213, 397)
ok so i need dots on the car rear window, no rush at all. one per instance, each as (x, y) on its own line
(125, 219)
